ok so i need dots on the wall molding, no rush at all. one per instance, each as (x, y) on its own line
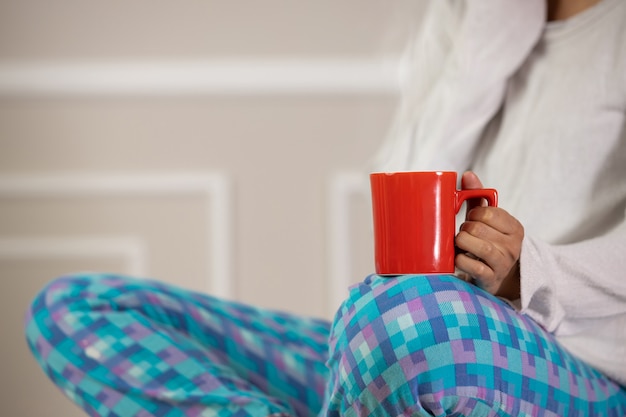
(132, 250)
(343, 188)
(251, 76)
(214, 186)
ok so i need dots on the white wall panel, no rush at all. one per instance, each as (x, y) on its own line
(214, 187)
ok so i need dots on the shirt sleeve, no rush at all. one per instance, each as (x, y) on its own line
(578, 293)
(568, 287)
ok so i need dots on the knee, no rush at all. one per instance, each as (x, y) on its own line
(59, 303)
(417, 310)
(76, 289)
(394, 335)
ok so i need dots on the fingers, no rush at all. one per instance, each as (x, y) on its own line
(473, 270)
(483, 260)
(495, 217)
(490, 245)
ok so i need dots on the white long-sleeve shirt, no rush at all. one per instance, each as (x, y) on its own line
(538, 111)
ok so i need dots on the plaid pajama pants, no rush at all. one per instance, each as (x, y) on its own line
(406, 346)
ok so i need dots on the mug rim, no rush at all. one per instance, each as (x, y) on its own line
(390, 173)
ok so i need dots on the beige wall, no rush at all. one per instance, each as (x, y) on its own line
(231, 172)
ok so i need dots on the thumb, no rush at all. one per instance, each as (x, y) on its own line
(470, 181)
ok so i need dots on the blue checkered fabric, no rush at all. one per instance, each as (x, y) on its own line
(438, 346)
(408, 346)
(124, 347)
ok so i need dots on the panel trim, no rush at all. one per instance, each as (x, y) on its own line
(131, 249)
(253, 76)
(344, 186)
(215, 186)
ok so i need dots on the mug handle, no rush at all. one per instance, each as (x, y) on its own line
(490, 194)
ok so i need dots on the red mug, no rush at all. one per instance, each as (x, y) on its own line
(414, 220)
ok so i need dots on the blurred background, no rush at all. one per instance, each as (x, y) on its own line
(221, 146)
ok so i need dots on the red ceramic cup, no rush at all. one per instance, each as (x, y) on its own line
(414, 220)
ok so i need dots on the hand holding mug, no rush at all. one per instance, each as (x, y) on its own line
(490, 241)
